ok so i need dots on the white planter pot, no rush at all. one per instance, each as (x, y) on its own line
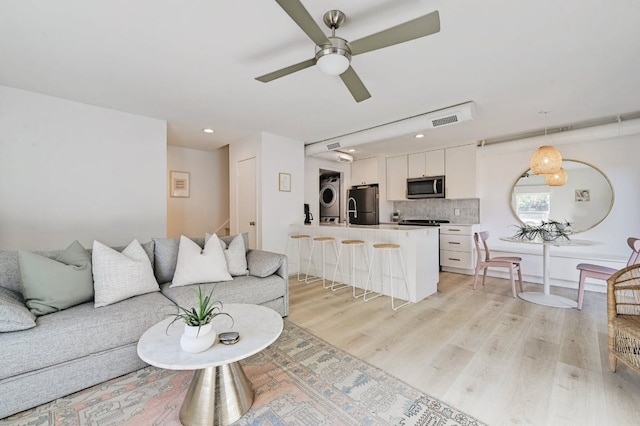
(193, 341)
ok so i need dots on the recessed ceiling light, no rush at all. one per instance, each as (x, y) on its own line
(419, 135)
(351, 150)
(207, 130)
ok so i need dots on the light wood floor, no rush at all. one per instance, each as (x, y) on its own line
(500, 359)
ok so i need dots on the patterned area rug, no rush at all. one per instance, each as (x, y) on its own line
(299, 380)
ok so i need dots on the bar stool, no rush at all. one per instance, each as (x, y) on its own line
(385, 250)
(299, 238)
(352, 276)
(324, 241)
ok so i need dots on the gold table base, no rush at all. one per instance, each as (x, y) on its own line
(217, 396)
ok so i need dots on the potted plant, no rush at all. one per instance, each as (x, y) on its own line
(549, 230)
(199, 334)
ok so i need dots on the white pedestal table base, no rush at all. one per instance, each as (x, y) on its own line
(548, 299)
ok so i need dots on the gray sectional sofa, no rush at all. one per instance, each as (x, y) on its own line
(81, 346)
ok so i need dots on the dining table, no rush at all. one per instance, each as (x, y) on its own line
(545, 297)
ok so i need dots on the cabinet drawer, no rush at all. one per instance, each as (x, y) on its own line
(456, 230)
(456, 259)
(455, 242)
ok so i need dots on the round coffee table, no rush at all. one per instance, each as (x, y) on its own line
(220, 392)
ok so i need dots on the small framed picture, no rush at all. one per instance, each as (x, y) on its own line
(179, 185)
(284, 182)
(582, 195)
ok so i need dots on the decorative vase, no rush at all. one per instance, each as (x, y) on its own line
(197, 339)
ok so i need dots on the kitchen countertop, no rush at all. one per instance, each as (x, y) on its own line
(383, 226)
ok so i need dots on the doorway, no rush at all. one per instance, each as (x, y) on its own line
(246, 199)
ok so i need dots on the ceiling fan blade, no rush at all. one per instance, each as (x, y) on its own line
(355, 85)
(410, 30)
(301, 16)
(286, 71)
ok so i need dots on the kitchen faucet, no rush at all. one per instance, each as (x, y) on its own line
(354, 211)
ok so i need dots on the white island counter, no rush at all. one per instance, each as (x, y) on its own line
(419, 246)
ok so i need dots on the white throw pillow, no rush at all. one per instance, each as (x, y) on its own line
(196, 265)
(118, 276)
(236, 255)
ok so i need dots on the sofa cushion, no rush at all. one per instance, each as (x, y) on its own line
(245, 289)
(263, 263)
(118, 276)
(50, 285)
(80, 331)
(166, 254)
(14, 315)
(196, 265)
(236, 254)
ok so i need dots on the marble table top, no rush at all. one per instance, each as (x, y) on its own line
(258, 327)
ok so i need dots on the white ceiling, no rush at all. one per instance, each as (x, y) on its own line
(193, 63)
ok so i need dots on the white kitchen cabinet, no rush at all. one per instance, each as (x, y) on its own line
(429, 163)
(397, 178)
(460, 171)
(457, 250)
(365, 172)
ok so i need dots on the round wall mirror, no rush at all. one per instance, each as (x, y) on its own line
(584, 201)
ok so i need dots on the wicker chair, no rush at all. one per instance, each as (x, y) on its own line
(623, 311)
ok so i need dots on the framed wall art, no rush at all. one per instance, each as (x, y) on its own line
(179, 185)
(284, 182)
(582, 195)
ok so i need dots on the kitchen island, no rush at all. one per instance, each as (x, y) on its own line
(419, 246)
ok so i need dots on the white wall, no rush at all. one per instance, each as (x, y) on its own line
(207, 208)
(499, 168)
(75, 171)
(280, 209)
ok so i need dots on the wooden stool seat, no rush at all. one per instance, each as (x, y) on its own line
(323, 239)
(300, 236)
(349, 242)
(386, 246)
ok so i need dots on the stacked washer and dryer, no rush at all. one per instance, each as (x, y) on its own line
(329, 198)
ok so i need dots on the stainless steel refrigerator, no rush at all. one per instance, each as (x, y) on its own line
(362, 205)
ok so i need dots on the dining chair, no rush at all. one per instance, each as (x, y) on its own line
(623, 317)
(588, 270)
(486, 262)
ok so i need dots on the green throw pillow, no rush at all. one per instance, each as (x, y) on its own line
(51, 285)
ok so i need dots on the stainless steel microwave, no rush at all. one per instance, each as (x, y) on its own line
(425, 187)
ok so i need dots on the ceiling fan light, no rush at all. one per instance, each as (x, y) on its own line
(333, 63)
(557, 179)
(546, 160)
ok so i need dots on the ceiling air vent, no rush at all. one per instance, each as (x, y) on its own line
(444, 121)
(332, 146)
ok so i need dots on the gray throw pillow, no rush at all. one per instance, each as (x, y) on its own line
(51, 285)
(263, 263)
(14, 315)
(235, 253)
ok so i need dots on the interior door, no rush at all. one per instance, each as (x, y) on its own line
(246, 199)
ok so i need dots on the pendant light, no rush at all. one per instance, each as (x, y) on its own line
(547, 159)
(556, 179)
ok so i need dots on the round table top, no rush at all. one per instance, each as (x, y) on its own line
(258, 327)
(558, 242)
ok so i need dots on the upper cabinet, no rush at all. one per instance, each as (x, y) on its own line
(430, 163)
(365, 172)
(397, 178)
(460, 171)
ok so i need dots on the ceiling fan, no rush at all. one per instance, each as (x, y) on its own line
(333, 54)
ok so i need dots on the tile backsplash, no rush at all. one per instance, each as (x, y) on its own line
(441, 208)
